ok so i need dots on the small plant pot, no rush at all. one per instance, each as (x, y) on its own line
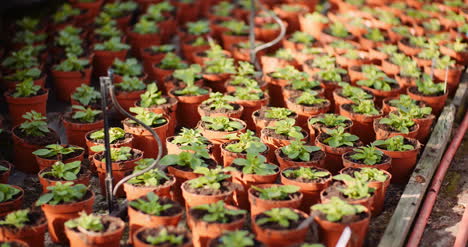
(333, 160)
(217, 82)
(91, 7)
(425, 125)
(180, 176)
(275, 90)
(187, 11)
(83, 178)
(340, 100)
(258, 205)
(103, 60)
(204, 231)
(250, 106)
(193, 198)
(310, 189)
(169, 110)
(271, 64)
(138, 219)
(461, 57)
(109, 238)
(317, 128)
(187, 114)
(279, 238)
(453, 76)
(362, 123)
(23, 159)
(76, 132)
(229, 157)
(385, 164)
(65, 83)
(403, 162)
(127, 142)
(436, 102)
(405, 81)
(333, 191)
(176, 148)
(380, 95)
(230, 40)
(204, 110)
(330, 232)
(407, 48)
(140, 236)
(383, 132)
(317, 159)
(11, 85)
(134, 191)
(13, 204)
(311, 27)
(143, 139)
(390, 68)
(119, 170)
(304, 112)
(158, 74)
(291, 17)
(261, 121)
(188, 50)
(140, 41)
(128, 99)
(4, 176)
(32, 233)
(48, 162)
(18, 106)
(57, 215)
(275, 141)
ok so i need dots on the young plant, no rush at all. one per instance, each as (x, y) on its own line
(35, 124)
(198, 27)
(336, 209)
(398, 122)
(286, 128)
(404, 101)
(113, 44)
(304, 84)
(255, 163)
(298, 151)
(427, 86)
(302, 38)
(131, 84)
(246, 143)
(340, 138)
(278, 113)
(65, 12)
(85, 115)
(287, 73)
(26, 88)
(218, 212)
(68, 171)
(415, 112)
(396, 143)
(368, 174)
(188, 76)
(119, 9)
(238, 28)
(375, 35)
(62, 193)
(309, 173)
(282, 216)
(211, 180)
(148, 117)
(338, 30)
(150, 205)
(356, 94)
(238, 238)
(331, 74)
(55, 150)
(410, 69)
(152, 97)
(220, 65)
(172, 62)
(164, 237)
(365, 107)
(28, 23)
(115, 134)
(108, 31)
(355, 188)
(146, 26)
(129, 67)
(219, 101)
(248, 93)
(309, 98)
(276, 192)
(24, 74)
(190, 137)
(378, 81)
(193, 160)
(330, 120)
(86, 95)
(162, 48)
(221, 123)
(388, 49)
(21, 59)
(17, 219)
(153, 177)
(89, 222)
(72, 63)
(117, 154)
(8, 192)
(284, 54)
(369, 155)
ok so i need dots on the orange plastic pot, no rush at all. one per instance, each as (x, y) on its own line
(17, 107)
(83, 178)
(188, 50)
(187, 114)
(230, 40)
(159, 74)
(310, 26)
(285, 162)
(194, 199)
(176, 148)
(140, 41)
(109, 238)
(453, 75)
(229, 157)
(235, 113)
(128, 142)
(103, 60)
(187, 11)
(169, 110)
(180, 176)
(436, 102)
(13, 204)
(380, 95)
(57, 215)
(65, 83)
(382, 134)
(275, 143)
(128, 99)
(134, 191)
(76, 132)
(217, 82)
(143, 140)
(250, 106)
(261, 123)
(33, 235)
(425, 125)
(258, 205)
(280, 238)
(305, 112)
(311, 191)
(385, 165)
(362, 123)
(408, 49)
(139, 241)
(317, 128)
(333, 160)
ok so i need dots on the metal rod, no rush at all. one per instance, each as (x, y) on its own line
(252, 31)
(282, 30)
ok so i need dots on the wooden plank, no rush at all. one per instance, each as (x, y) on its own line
(402, 219)
(460, 99)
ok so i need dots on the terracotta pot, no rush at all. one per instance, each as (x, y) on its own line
(169, 110)
(181, 176)
(403, 162)
(140, 41)
(311, 27)
(329, 87)
(76, 132)
(23, 159)
(150, 59)
(275, 90)
(425, 125)
(13, 204)
(83, 178)
(362, 123)
(305, 112)
(139, 242)
(241, 197)
(65, 83)
(275, 143)
(4, 176)
(408, 49)
(405, 81)
(45, 162)
(128, 99)
(250, 106)
(291, 17)
(390, 68)
(382, 134)
(127, 142)
(217, 82)
(204, 231)
(159, 74)
(258, 205)
(230, 40)
(57, 215)
(330, 232)
(280, 238)
(32, 235)
(285, 162)
(103, 60)
(143, 140)
(367, 202)
(188, 50)
(333, 160)
(261, 123)
(235, 113)
(138, 219)
(386, 163)
(380, 95)
(110, 238)
(271, 64)
(461, 57)
(119, 171)
(267, 34)
(311, 190)
(187, 11)
(229, 157)
(453, 75)
(436, 102)
(188, 105)
(91, 7)
(193, 199)
(17, 107)
(134, 191)
(317, 128)
(340, 100)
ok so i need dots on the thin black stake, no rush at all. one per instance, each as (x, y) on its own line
(252, 31)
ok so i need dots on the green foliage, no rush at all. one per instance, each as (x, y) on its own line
(340, 138)
(236, 27)
(255, 163)
(339, 30)
(246, 142)
(365, 107)
(378, 81)
(24, 74)
(444, 62)
(86, 95)
(26, 88)
(220, 65)
(316, 17)
(171, 62)
(309, 173)
(85, 115)
(35, 124)
(193, 159)
(276, 192)
(355, 188)
(219, 101)
(7, 192)
(238, 238)
(146, 26)
(221, 123)
(89, 222)
(65, 12)
(153, 177)
(28, 23)
(330, 120)
(29, 37)
(286, 128)
(304, 84)
(331, 74)
(218, 212)
(415, 112)
(129, 67)
(396, 143)
(375, 35)
(211, 179)
(223, 8)
(148, 117)
(400, 59)
(336, 209)
(188, 75)
(17, 219)
(398, 122)
(113, 44)
(108, 31)
(367, 174)
(302, 37)
(152, 97)
(62, 193)
(162, 48)
(355, 94)
(150, 205)
(131, 84)
(427, 86)
(410, 69)
(215, 50)
(248, 93)
(165, 237)
(119, 9)
(190, 137)
(369, 155)
(21, 59)
(388, 49)
(72, 63)
(68, 171)
(458, 45)
(404, 101)
(115, 134)
(285, 73)
(298, 151)
(278, 113)
(117, 154)
(53, 150)
(309, 98)
(284, 54)
(326, 62)
(283, 216)
(198, 27)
